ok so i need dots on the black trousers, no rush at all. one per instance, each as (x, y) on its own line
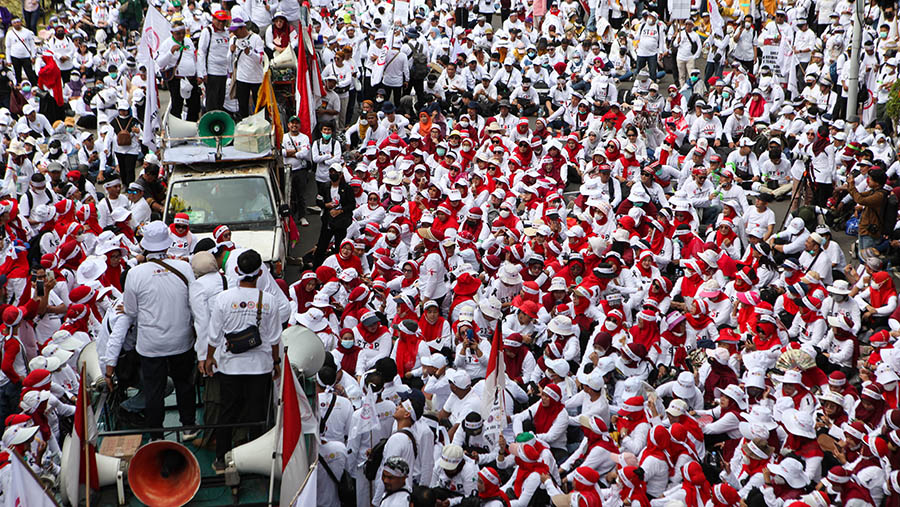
(394, 93)
(215, 92)
(127, 163)
(193, 102)
(246, 398)
(180, 368)
(299, 179)
(331, 229)
(246, 92)
(25, 64)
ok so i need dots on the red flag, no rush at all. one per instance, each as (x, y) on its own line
(493, 396)
(294, 460)
(304, 108)
(496, 350)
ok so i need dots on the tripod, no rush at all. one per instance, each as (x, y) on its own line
(806, 183)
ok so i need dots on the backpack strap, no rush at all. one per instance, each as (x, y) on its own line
(327, 414)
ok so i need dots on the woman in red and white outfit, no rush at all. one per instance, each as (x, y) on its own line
(182, 237)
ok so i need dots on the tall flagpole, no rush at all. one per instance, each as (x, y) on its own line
(285, 363)
(86, 464)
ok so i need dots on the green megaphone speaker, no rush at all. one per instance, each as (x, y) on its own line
(216, 124)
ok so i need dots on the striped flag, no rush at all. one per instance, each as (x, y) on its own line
(294, 462)
(84, 435)
(309, 81)
(493, 411)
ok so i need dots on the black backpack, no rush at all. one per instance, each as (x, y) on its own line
(888, 217)
(419, 68)
(376, 456)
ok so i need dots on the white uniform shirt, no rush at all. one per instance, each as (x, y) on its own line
(235, 310)
(212, 53)
(186, 59)
(249, 65)
(159, 301)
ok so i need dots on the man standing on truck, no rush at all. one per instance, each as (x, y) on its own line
(248, 54)
(177, 61)
(213, 61)
(296, 149)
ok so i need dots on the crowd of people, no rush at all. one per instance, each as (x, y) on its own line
(573, 197)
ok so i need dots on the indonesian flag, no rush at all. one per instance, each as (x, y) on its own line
(294, 461)
(85, 433)
(715, 18)
(151, 109)
(309, 81)
(493, 398)
(23, 487)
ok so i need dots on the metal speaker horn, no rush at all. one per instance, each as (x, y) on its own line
(255, 457)
(164, 474)
(304, 349)
(216, 124)
(110, 470)
(180, 130)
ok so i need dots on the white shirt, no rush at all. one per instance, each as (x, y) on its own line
(212, 53)
(202, 292)
(235, 310)
(187, 63)
(300, 144)
(159, 301)
(249, 65)
(19, 44)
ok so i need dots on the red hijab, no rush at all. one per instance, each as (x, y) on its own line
(544, 417)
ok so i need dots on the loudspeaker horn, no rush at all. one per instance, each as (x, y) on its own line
(254, 457)
(179, 128)
(109, 470)
(91, 361)
(216, 123)
(305, 350)
(164, 474)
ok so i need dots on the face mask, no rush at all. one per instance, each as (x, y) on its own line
(467, 148)
(610, 326)
(694, 79)
(54, 151)
(747, 25)
(326, 137)
(391, 236)
(379, 99)
(725, 95)
(883, 35)
(70, 129)
(347, 344)
(464, 124)
(113, 75)
(441, 151)
(334, 177)
(26, 89)
(504, 213)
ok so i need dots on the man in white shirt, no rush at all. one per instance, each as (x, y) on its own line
(246, 371)
(156, 298)
(213, 62)
(396, 73)
(651, 44)
(33, 123)
(20, 51)
(296, 154)
(248, 53)
(114, 199)
(178, 57)
(140, 209)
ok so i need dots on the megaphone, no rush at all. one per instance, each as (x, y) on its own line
(254, 457)
(179, 128)
(216, 124)
(164, 474)
(304, 349)
(285, 60)
(89, 358)
(109, 470)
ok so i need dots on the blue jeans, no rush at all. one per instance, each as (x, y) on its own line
(866, 242)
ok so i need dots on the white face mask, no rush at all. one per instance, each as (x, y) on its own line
(464, 124)
(469, 148)
(609, 325)
(391, 236)
(504, 213)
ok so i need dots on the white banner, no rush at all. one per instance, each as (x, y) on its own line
(23, 489)
(151, 108)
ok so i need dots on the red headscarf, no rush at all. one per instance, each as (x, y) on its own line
(634, 489)
(544, 417)
(492, 490)
(528, 461)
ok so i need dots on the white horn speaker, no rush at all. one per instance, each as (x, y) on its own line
(285, 60)
(89, 358)
(109, 470)
(255, 457)
(305, 350)
(179, 128)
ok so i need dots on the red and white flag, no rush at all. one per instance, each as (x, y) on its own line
(85, 433)
(23, 488)
(309, 81)
(294, 459)
(493, 412)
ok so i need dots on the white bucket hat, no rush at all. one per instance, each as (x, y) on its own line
(792, 471)
(561, 325)
(684, 387)
(313, 319)
(510, 275)
(799, 423)
(490, 307)
(736, 394)
(762, 415)
(156, 237)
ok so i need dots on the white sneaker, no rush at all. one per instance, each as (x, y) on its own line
(314, 209)
(304, 222)
(188, 435)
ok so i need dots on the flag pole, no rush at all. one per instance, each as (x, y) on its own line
(86, 464)
(279, 415)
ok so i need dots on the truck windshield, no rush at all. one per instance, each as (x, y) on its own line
(234, 201)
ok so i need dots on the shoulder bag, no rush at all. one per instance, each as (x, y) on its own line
(247, 338)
